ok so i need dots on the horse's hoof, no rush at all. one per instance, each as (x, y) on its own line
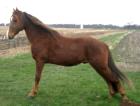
(30, 97)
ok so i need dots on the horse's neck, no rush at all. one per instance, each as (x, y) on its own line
(30, 34)
(34, 34)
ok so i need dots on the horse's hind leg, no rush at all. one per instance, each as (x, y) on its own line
(113, 82)
(120, 89)
(115, 87)
(112, 91)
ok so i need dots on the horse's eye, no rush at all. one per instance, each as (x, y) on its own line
(14, 20)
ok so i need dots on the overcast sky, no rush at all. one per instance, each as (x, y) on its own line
(117, 12)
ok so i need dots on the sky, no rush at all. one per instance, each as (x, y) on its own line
(116, 12)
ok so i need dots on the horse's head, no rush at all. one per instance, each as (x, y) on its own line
(16, 23)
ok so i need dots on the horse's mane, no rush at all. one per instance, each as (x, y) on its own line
(40, 25)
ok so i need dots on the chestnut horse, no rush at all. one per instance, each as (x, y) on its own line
(49, 46)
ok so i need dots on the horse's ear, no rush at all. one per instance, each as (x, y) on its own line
(17, 9)
(14, 10)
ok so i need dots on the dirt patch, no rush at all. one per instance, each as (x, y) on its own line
(14, 51)
(128, 51)
(128, 66)
(93, 33)
(128, 103)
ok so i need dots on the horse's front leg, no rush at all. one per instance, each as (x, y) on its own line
(39, 68)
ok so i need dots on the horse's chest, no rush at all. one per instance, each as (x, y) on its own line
(39, 52)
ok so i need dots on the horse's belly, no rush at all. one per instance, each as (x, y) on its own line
(67, 59)
(65, 63)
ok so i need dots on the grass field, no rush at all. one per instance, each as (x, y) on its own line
(60, 86)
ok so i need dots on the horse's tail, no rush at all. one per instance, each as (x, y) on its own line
(117, 72)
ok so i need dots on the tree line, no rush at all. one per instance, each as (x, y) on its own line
(95, 26)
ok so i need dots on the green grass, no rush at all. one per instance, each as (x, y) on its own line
(113, 39)
(60, 86)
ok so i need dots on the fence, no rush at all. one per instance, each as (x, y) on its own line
(17, 42)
